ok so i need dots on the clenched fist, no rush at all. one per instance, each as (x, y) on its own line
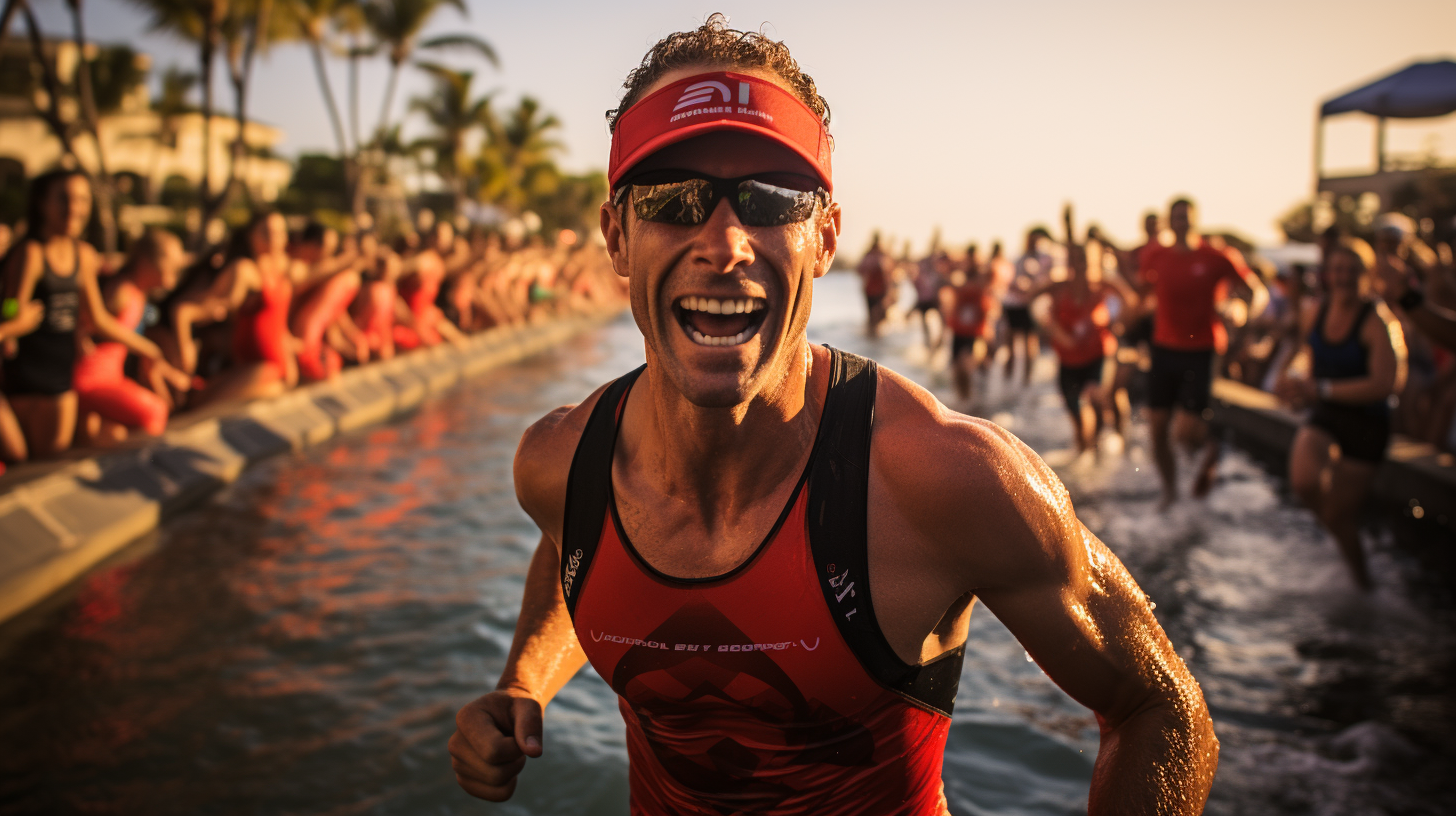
(493, 736)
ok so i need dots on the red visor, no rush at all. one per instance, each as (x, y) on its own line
(718, 101)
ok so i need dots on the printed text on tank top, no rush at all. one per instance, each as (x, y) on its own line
(61, 294)
(750, 692)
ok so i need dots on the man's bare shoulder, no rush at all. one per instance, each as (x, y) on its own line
(965, 478)
(543, 462)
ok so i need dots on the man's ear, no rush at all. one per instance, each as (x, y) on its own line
(615, 234)
(828, 238)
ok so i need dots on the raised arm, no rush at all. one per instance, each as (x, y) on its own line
(1081, 616)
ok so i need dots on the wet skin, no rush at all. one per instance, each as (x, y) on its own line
(711, 441)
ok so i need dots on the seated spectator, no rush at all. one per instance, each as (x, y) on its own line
(52, 265)
(373, 308)
(256, 288)
(320, 315)
(113, 404)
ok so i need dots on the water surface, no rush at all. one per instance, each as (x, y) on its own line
(301, 643)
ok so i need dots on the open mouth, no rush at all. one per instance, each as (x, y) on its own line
(720, 321)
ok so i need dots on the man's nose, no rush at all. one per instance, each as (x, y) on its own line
(722, 241)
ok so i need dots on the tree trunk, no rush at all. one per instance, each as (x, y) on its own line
(11, 6)
(204, 194)
(102, 184)
(315, 47)
(388, 101)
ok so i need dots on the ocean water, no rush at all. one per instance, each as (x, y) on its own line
(300, 644)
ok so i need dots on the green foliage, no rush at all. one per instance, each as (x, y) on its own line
(573, 205)
(318, 184)
(115, 72)
(517, 163)
(1432, 195)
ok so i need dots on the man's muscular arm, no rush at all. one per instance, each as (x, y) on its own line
(1089, 626)
(497, 732)
(1061, 592)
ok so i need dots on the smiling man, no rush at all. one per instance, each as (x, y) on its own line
(770, 549)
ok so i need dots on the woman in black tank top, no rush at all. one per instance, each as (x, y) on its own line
(1357, 361)
(53, 266)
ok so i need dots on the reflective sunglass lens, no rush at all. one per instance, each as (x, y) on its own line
(766, 205)
(681, 202)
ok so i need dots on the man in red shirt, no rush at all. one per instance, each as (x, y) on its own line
(1186, 278)
(715, 523)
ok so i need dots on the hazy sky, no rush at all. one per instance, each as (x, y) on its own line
(978, 117)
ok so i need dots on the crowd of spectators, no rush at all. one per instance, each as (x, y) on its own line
(97, 348)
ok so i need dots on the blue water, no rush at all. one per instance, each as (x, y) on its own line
(301, 643)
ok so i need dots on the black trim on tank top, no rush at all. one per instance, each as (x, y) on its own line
(838, 521)
(586, 497)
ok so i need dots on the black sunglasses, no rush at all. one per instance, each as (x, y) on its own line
(686, 198)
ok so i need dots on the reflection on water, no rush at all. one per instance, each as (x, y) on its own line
(300, 644)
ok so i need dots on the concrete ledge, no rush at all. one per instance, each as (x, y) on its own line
(62, 520)
(1416, 479)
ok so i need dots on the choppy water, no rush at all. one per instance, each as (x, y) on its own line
(300, 644)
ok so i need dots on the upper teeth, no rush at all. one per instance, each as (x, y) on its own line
(715, 306)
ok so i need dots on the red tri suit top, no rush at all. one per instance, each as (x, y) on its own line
(1186, 284)
(740, 694)
(967, 315)
(1087, 322)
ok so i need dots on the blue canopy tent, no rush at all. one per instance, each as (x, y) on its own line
(1418, 91)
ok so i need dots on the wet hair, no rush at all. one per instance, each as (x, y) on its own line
(714, 44)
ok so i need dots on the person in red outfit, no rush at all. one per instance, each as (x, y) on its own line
(969, 311)
(112, 404)
(255, 287)
(770, 549)
(1186, 278)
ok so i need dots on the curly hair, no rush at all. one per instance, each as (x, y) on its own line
(715, 44)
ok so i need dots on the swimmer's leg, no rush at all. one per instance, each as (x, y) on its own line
(321, 308)
(246, 382)
(48, 423)
(12, 438)
(1349, 484)
(1159, 424)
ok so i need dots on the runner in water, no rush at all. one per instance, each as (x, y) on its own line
(1079, 328)
(930, 277)
(1186, 279)
(876, 274)
(784, 620)
(1033, 270)
(1136, 320)
(968, 309)
(1356, 355)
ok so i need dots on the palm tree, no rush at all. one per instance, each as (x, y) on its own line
(453, 114)
(517, 163)
(250, 27)
(200, 21)
(314, 17)
(397, 25)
